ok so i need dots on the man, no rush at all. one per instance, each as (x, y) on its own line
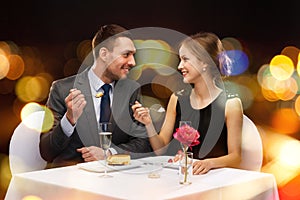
(75, 102)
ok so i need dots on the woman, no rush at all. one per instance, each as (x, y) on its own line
(218, 119)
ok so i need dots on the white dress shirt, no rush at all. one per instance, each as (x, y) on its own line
(95, 84)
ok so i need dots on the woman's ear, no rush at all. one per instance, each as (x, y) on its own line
(103, 53)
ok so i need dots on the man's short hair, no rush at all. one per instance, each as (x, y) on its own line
(106, 36)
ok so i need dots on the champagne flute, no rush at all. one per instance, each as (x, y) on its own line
(105, 136)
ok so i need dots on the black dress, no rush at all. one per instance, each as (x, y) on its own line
(209, 121)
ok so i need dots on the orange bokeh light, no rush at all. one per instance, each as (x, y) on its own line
(4, 66)
(16, 67)
(286, 121)
(297, 105)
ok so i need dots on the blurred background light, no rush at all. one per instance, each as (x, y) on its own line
(286, 121)
(32, 107)
(16, 67)
(281, 67)
(230, 43)
(4, 66)
(240, 61)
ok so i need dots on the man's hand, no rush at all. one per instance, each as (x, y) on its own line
(75, 103)
(91, 153)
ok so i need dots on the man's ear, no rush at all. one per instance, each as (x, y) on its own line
(103, 53)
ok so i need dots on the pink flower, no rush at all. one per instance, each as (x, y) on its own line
(187, 135)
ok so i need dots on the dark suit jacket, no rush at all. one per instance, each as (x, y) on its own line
(129, 136)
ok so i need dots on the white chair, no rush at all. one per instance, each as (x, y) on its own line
(252, 150)
(24, 154)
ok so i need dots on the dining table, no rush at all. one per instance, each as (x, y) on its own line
(136, 181)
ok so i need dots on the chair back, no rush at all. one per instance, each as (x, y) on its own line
(252, 149)
(24, 154)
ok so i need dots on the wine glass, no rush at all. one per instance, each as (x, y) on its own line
(181, 123)
(105, 136)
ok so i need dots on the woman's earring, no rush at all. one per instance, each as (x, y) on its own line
(204, 69)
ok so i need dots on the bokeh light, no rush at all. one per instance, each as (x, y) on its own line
(48, 120)
(286, 89)
(290, 191)
(32, 88)
(161, 91)
(4, 66)
(288, 152)
(298, 65)
(16, 68)
(297, 79)
(262, 73)
(152, 52)
(5, 174)
(163, 86)
(48, 77)
(33, 107)
(4, 48)
(286, 121)
(31, 197)
(269, 95)
(281, 67)
(30, 108)
(282, 152)
(135, 72)
(240, 61)
(297, 105)
(164, 70)
(83, 49)
(230, 43)
(292, 52)
(278, 79)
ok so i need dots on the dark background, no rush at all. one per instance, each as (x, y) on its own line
(263, 27)
(46, 22)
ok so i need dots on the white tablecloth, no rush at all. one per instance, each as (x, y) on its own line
(74, 183)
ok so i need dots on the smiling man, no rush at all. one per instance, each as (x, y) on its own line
(78, 107)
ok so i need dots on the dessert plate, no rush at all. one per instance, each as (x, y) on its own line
(99, 166)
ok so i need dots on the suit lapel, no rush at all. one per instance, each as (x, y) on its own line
(87, 123)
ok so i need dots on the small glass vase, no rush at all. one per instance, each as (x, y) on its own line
(185, 165)
(186, 168)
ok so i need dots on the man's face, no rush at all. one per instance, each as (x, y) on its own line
(120, 59)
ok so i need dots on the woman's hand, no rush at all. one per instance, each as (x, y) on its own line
(201, 166)
(141, 113)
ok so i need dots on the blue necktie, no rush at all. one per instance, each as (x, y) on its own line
(105, 104)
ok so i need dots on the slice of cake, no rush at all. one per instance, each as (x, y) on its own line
(118, 159)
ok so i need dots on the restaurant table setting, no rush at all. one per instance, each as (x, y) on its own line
(147, 178)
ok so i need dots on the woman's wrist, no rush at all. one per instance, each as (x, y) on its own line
(151, 129)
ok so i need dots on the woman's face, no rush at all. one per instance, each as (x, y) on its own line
(190, 67)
